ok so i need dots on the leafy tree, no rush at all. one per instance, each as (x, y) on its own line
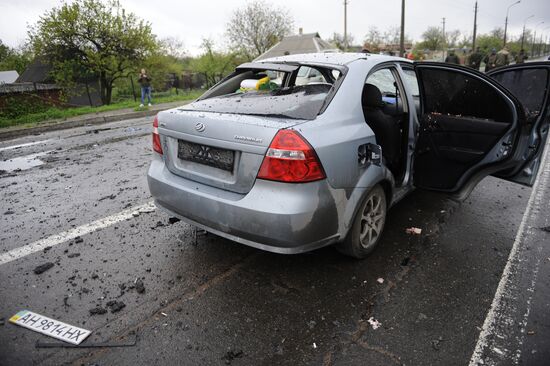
(487, 42)
(212, 64)
(88, 38)
(257, 27)
(432, 39)
(14, 58)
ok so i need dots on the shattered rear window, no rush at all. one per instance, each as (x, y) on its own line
(528, 85)
(299, 102)
(300, 94)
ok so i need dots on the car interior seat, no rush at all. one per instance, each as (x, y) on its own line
(385, 127)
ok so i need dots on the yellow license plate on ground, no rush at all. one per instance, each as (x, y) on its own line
(50, 327)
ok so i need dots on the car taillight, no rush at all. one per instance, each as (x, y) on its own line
(290, 158)
(156, 137)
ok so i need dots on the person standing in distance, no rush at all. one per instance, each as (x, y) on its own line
(145, 82)
(452, 58)
(475, 58)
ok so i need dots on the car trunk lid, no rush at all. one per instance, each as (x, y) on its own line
(217, 149)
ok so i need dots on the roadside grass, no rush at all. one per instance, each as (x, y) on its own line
(55, 113)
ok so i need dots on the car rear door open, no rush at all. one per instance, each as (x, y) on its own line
(470, 127)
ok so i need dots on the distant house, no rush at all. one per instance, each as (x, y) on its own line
(85, 93)
(300, 43)
(8, 77)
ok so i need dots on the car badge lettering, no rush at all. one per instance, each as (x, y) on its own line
(248, 139)
(200, 127)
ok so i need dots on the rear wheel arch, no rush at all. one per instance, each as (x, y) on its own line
(367, 224)
(358, 196)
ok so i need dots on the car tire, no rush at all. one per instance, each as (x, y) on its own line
(367, 227)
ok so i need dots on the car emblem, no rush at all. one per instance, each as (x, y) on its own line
(200, 127)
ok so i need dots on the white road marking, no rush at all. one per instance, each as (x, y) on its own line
(62, 237)
(23, 145)
(505, 286)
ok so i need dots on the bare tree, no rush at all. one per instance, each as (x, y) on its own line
(391, 36)
(452, 38)
(257, 27)
(373, 36)
(337, 39)
(173, 46)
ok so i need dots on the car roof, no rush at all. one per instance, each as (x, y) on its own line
(332, 58)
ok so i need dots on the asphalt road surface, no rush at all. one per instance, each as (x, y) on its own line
(468, 290)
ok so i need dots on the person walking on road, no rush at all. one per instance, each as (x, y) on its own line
(503, 57)
(475, 58)
(490, 60)
(145, 82)
(452, 58)
(521, 57)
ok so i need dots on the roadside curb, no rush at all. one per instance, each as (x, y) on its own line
(10, 133)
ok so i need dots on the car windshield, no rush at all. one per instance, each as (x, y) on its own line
(271, 93)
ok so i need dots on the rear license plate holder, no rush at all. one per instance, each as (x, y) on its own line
(206, 155)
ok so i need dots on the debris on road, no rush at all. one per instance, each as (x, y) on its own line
(173, 220)
(50, 327)
(115, 306)
(413, 231)
(73, 255)
(231, 355)
(380, 280)
(546, 228)
(98, 311)
(436, 343)
(140, 287)
(78, 239)
(111, 197)
(375, 324)
(43, 268)
(314, 345)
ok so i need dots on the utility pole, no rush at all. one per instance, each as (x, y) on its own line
(475, 28)
(345, 25)
(402, 38)
(444, 39)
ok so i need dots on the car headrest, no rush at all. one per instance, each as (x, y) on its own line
(371, 97)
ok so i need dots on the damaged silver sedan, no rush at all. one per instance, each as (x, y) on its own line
(286, 164)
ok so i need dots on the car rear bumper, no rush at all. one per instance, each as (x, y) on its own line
(277, 217)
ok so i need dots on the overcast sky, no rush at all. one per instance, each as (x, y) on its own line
(190, 21)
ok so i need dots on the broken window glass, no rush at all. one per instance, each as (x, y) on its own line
(462, 95)
(528, 85)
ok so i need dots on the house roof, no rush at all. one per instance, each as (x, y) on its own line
(36, 72)
(301, 43)
(8, 77)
